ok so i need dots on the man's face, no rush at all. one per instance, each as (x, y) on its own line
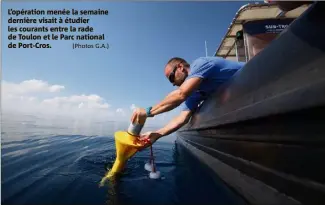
(176, 74)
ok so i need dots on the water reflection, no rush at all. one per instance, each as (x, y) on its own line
(18, 127)
(112, 190)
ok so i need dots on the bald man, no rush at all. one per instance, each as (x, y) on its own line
(195, 83)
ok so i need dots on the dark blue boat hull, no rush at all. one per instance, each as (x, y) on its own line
(263, 132)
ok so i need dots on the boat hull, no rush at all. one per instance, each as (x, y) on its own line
(263, 132)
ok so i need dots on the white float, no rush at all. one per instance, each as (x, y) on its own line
(154, 175)
(148, 167)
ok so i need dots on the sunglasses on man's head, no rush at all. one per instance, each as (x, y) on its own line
(171, 76)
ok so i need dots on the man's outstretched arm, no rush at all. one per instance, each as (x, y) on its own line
(171, 101)
(176, 97)
(176, 123)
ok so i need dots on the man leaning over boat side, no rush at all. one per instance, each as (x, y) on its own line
(195, 82)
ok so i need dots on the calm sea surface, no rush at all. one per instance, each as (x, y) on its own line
(62, 162)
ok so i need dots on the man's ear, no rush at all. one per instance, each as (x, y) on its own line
(182, 68)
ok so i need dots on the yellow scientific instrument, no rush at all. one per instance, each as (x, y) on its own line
(127, 144)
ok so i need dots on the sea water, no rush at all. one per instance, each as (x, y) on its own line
(49, 162)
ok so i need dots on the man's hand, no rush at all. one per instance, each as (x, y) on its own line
(150, 137)
(147, 139)
(139, 116)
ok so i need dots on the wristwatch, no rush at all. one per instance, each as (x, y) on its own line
(148, 112)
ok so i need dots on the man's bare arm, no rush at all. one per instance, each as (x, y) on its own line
(175, 123)
(176, 97)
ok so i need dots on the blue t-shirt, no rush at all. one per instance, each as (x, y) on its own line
(214, 71)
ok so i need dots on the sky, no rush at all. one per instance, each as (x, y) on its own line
(110, 83)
